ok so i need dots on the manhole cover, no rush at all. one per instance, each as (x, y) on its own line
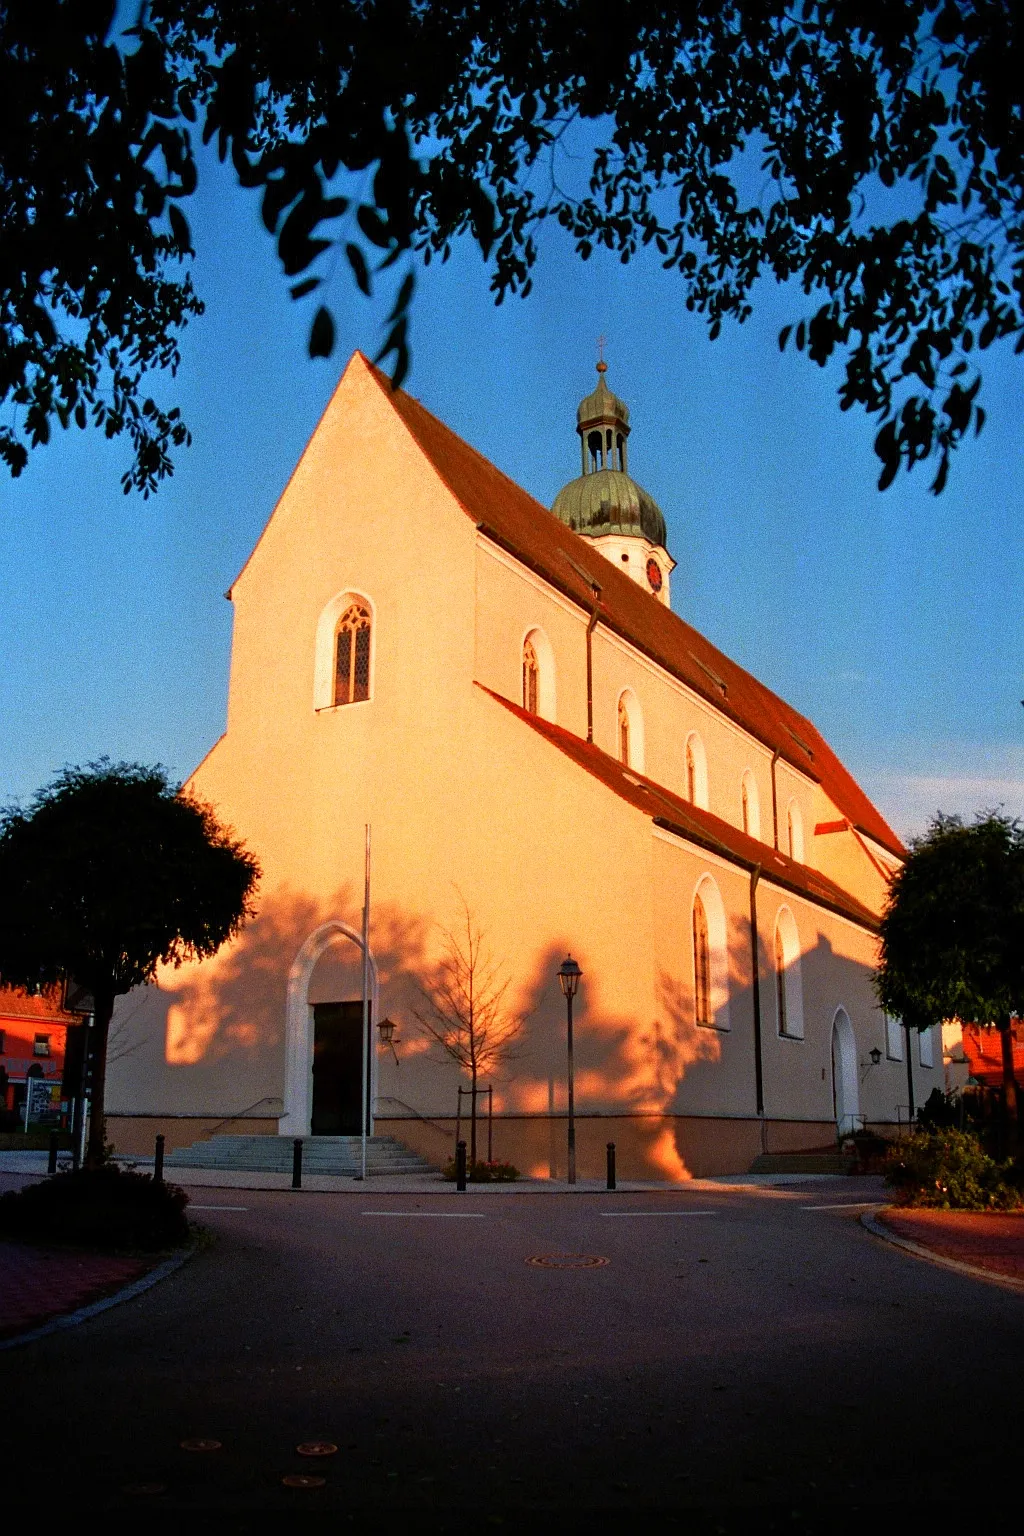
(567, 1261)
(303, 1480)
(200, 1445)
(316, 1448)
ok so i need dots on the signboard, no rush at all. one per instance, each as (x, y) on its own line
(42, 1105)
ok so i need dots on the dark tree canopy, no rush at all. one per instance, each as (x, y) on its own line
(871, 150)
(110, 872)
(953, 930)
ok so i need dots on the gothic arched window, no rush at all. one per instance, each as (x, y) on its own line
(701, 963)
(696, 765)
(710, 957)
(789, 1003)
(780, 983)
(623, 731)
(750, 804)
(352, 656)
(531, 679)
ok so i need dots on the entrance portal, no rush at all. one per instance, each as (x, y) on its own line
(338, 1069)
(845, 1087)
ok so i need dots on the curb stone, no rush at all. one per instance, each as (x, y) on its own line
(919, 1251)
(94, 1308)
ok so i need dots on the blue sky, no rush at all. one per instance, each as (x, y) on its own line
(890, 619)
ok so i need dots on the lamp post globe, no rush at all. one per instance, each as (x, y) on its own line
(569, 975)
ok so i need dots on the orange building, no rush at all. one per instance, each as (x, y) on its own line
(503, 693)
(33, 1031)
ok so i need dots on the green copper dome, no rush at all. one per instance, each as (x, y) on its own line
(609, 501)
(605, 499)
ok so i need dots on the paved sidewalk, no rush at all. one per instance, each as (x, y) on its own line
(17, 1168)
(37, 1284)
(989, 1240)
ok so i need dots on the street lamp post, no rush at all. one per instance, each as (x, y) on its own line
(569, 975)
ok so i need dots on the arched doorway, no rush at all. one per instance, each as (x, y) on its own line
(845, 1087)
(300, 1028)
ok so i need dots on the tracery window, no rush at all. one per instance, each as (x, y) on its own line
(623, 732)
(531, 679)
(352, 656)
(701, 963)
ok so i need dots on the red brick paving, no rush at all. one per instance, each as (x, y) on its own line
(37, 1284)
(989, 1240)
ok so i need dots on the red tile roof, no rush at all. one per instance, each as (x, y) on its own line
(983, 1050)
(46, 1006)
(510, 516)
(689, 821)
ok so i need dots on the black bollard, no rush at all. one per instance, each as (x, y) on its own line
(297, 1163)
(611, 1165)
(51, 1166)
(158, 1161)
(460, 1165)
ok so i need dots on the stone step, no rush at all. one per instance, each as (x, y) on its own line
(803, 1162)
(339, 1155)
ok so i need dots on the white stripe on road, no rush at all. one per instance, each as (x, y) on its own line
(847, 1205)
(432, 1215)
(659, 1213)
(193, 1207)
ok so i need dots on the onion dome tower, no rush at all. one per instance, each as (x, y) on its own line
(606, 505)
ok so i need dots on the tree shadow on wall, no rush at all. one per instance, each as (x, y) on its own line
(236, 1004)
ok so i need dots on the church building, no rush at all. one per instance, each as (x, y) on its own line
(541, 747)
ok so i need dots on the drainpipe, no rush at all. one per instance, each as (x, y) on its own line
(755, 972)
(775, 799)
(590, 671)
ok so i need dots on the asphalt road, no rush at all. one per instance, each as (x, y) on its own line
(737, 1350)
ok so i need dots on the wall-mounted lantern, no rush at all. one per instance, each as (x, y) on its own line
(386, 1030)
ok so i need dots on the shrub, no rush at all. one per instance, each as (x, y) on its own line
(104, 1207)
(483, 1173)
(939, 1112)
(950, 1170)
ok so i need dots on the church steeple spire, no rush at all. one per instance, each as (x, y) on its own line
(605, 504)
(602, 422)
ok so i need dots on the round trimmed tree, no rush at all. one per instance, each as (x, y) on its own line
(953, 933)
(111, 871)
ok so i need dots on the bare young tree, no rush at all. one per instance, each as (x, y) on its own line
(464, 1006)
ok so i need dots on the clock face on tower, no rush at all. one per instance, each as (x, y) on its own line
(654, 576)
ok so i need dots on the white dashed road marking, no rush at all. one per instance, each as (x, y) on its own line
(847, 1205)
(659, 1213)
(432, 1215)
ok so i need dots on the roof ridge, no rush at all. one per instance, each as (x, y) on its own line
(505, 511)
(705, 827)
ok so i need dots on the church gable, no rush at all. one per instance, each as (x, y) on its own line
(342, 585)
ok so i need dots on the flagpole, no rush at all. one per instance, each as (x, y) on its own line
(366, 1000)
